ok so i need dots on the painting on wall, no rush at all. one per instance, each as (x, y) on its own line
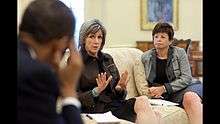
(154, 11)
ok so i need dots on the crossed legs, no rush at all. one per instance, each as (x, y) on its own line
(193, 107)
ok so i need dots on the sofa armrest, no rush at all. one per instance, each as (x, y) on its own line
(140, 78)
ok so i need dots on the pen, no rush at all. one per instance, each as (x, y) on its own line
(161, 97)
(89, 116)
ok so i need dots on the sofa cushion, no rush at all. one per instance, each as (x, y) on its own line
(130, 59)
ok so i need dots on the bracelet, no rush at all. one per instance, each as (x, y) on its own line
(95, 92)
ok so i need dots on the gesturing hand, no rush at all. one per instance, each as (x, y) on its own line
(102, 82)
(122, 83)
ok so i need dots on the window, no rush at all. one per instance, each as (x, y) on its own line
(77, 7)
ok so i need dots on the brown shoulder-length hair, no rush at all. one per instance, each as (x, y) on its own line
(91, 26)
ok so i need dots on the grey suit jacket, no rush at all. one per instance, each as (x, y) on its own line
(178, 68)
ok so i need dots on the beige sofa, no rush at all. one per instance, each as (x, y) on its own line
(130, 59)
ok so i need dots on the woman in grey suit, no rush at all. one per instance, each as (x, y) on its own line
(168, 73)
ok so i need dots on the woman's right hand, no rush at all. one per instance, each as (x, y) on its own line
(102, 82)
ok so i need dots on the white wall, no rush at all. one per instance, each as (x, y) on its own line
(122, 20)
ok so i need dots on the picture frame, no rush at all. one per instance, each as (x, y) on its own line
(154, 11)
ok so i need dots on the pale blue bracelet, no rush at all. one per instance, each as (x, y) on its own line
(95, 92)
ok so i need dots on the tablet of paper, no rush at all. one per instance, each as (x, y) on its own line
(104, 118)
(162, 102)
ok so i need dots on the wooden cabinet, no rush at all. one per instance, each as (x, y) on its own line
(196, 62)
(144, 45)
(194, 54)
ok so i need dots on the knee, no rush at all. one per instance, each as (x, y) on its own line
(141, 104)
(142, 99)
(190, 98)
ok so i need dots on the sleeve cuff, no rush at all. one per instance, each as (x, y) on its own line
(168, 88)
(71, 101)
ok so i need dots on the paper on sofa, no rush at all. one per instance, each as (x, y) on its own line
(162, 102)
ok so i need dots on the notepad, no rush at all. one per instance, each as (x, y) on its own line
(104, 118)
(162, 102)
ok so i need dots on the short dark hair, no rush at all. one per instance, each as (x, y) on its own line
(48, 19)
(163, 28)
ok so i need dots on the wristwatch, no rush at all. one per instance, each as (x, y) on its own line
(164, 89)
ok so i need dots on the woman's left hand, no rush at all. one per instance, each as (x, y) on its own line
(122, 83)
(156, 92)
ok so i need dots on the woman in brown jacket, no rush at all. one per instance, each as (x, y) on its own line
(101, 88)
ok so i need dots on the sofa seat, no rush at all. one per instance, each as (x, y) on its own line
(172, 114)
(130, 59)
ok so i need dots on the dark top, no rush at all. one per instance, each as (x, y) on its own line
(108, 97)
(161, 76)
(37, 91)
